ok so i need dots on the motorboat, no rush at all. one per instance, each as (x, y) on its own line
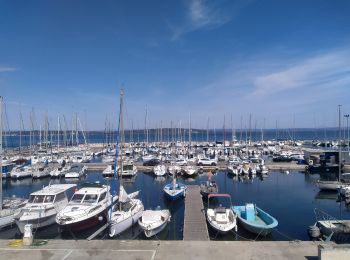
(244, 170)
(344, 191)
(109, 171)
(189, 170)
(88, 208)
(43, 206)
(10, 208)
(174, 190)
(255, 219)
(220, 217)
(20, 172)
(108, 159)
(174, 169)
(159, 170)
(40, 171)
(128, 169)
(208, 187)
(75, 171)
(232, 169)
(59, 171)
(125, 213)
(154, 221)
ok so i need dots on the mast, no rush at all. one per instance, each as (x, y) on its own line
(339, 170)
(58, 134)
(76, 129)
(1, 100)
(241, 133)
(189, 130)
(121, 118)
(20, 131)
(146, 130)
(208, 130)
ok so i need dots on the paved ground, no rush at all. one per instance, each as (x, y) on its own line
(158, 250)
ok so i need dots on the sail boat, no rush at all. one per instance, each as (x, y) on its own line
(333, 185)
(9, 207)
(128, 209)
(174, 190)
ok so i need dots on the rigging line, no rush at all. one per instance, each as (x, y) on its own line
(285, 235)
(234, 232)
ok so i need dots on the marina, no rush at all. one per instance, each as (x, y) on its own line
(280, 186)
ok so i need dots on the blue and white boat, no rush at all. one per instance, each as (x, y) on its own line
(255, 219)
(175, 190)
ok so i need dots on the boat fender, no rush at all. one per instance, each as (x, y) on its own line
(100, 218)
(184, 193)
(314, 231)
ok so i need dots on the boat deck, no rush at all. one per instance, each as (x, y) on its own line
(195, 225)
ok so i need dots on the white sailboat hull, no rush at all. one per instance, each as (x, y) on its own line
(117, 228)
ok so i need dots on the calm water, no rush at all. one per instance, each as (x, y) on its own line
(168, 135)
(291, 199)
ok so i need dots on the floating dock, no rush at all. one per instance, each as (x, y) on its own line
(195, 225)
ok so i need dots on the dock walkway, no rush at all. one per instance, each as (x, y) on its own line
(195, 225)
(159, 250)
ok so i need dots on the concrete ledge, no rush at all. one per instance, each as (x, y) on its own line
(154, 250)
(332, 252)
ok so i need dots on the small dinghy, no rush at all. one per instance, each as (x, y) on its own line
(221, 217)
(255, 219)
(154, 221)
(208, 187)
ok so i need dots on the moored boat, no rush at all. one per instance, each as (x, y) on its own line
(125, 213)
(208, 187)
(87, 208)
(255, 219)
(43, 206)
(154, 221)
(174, 190)
(221, 217)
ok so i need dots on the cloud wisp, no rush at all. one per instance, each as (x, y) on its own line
(329, 69)
(201, 14)
(7, 69)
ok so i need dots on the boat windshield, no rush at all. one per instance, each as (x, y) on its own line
(90, 198)
(77, 198)
(221, 202)
(41, 198)
(75, 169)
(127, 167)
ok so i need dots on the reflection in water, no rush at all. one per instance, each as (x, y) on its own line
(326, 195)
(283, 196)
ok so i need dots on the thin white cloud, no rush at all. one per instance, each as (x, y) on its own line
(329, 69)
(279, 83)
(201, 14)
(8, 69)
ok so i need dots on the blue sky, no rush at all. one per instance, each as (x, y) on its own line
(277, 60)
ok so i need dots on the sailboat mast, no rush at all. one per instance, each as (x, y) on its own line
(1, 100)
(189, 130)
(121, 118)
(58, 134)
(339, 168)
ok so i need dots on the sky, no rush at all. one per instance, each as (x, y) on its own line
(208, 61)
